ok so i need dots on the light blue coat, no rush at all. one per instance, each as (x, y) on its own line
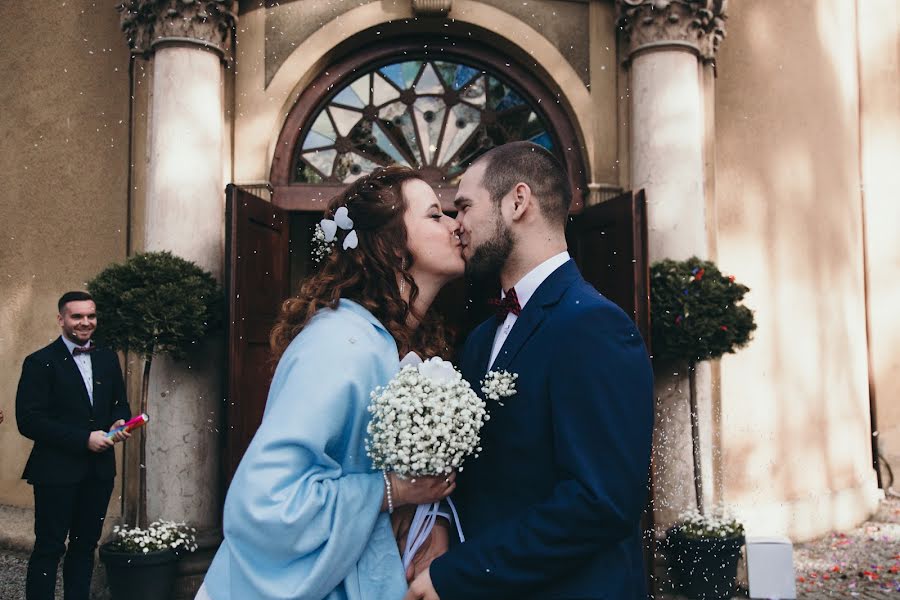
(302, 517)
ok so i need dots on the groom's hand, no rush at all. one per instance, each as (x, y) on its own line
(422, 589)
(437, 543)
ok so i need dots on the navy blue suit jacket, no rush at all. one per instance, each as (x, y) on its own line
(552, 507)
(53, 409)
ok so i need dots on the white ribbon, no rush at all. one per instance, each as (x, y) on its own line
(411, 358)
(422, 524)
(426, 514)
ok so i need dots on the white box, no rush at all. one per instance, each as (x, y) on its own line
(770, 568)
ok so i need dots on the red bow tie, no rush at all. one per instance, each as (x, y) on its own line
(507, 304)
(82, 350)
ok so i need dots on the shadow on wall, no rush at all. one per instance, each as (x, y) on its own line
(795, 424)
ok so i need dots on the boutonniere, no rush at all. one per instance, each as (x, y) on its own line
(498, 385)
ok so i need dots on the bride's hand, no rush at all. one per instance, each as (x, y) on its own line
(422, 489)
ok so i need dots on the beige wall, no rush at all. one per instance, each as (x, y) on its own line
(879, 40)
(795, 415)
(63, 164)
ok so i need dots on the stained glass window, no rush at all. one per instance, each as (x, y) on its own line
(434, 115)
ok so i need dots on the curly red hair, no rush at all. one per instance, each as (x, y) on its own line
(367, 274)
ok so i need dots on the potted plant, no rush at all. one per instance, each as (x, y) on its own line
(696, 315)
(704, 550)
(141, 563)
(155, 303)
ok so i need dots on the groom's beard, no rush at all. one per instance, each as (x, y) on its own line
(488, 258)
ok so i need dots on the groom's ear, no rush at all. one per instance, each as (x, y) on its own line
(523, 200)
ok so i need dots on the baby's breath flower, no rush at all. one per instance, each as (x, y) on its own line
(160, 535)
(320, 247)
(426, 421)
(717, 523)
(497, 385)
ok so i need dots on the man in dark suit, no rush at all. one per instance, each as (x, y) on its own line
(70, 394)
(551, 509)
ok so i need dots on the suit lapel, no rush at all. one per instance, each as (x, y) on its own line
(75, 378)
(547, 294)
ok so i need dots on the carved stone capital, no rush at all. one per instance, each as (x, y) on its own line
(431, 8)
(698, 24)
(208, 23)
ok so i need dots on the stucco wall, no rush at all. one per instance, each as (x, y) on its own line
(879, 35)
(795, 414)
(289, 24)
(63, 164)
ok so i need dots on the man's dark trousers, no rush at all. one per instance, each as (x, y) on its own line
(72, 485)
(76, 511)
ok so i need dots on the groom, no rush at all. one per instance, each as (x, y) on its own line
(552, 508)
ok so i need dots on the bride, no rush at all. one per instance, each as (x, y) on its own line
(306, 517)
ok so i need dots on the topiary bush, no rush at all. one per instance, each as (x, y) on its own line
(696, 315)
(155, 303)
(696, 312)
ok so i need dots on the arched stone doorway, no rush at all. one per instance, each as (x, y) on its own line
(438, 112)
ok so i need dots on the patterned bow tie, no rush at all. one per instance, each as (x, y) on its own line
(85, 350)
(507, 304)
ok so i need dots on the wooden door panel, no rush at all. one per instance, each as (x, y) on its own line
(609, 243)
(257, 255)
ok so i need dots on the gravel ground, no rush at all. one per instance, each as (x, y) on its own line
(12, 576)
(863, 563)
(13, 566)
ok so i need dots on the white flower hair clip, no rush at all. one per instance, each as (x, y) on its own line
(325, 234)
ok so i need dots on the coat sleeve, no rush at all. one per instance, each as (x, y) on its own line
(295, 521)
(33, 415)
(601, 397)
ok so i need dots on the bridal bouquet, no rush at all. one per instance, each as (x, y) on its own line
(425, 421)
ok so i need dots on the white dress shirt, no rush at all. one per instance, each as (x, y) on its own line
(525, 289)
(83, 362)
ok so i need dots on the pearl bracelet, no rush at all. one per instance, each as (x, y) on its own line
(387, 487)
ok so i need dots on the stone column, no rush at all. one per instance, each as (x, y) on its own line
(431, 8)
(669, 42)
(184, 213)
